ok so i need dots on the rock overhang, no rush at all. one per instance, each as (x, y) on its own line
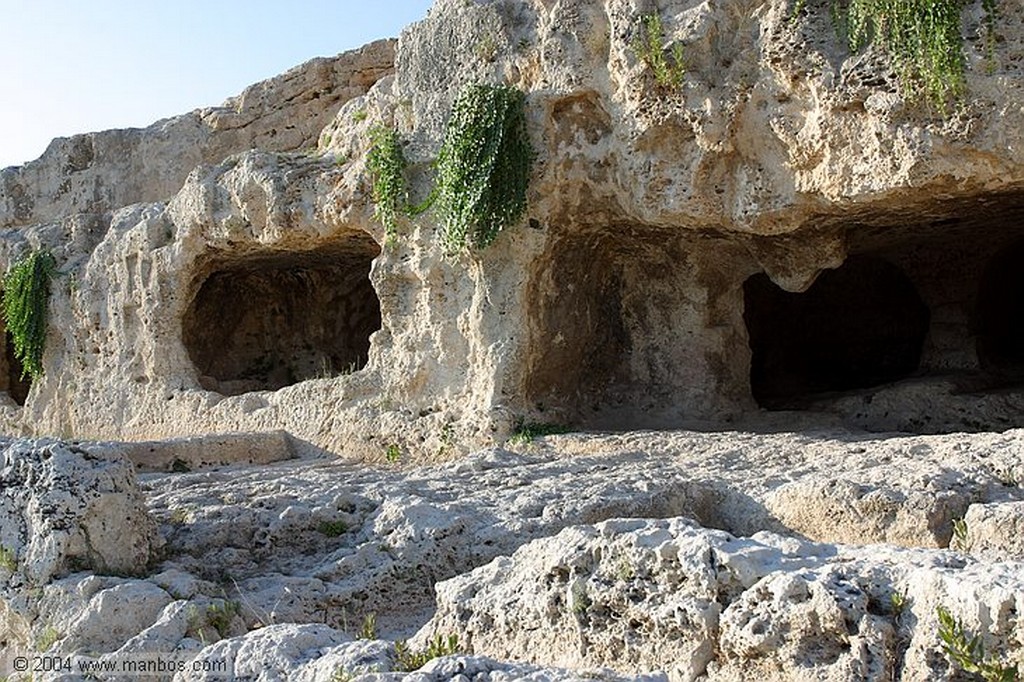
(620, 300)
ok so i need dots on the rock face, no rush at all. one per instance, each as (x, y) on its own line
(101, 172)
(65, 509)
(784, 230)
(652, 555)
(783, 246)
(643, 595)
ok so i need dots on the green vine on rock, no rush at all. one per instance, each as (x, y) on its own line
(923, 38)
(386, 164)
(26, 294)
(483, 168)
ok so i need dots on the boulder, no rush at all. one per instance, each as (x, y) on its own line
(65, 509)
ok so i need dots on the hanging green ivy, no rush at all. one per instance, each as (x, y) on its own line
(923, 37)
(483, 167)
(25, 302)
(386, 164)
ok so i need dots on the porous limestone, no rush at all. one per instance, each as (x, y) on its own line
(97, 173)
(643, 595)
(781, 249)
(995, 530)
(661, 553)
(652, 282)
(63, 509)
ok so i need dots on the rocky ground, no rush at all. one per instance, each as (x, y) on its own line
(663, 225)
(678, 555)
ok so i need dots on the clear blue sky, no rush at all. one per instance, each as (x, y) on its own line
(75, 66)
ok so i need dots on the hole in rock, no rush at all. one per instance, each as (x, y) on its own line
(858, 326)
(615, 323)
(1000, 315)
(11, 370)
(579, 318)
(920, 330)
(269, 320)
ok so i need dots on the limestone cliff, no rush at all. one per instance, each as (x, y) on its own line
(653, 282)
(779, 240)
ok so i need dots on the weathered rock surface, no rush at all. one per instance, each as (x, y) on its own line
(199, 452)
(651, 284)
(641, 595)
(64, 509)
(275, 567)
(101, 172)
(995, 530)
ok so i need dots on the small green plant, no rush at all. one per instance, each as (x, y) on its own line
(898, 603)
(649, 45)
(526, 432)
(487, 48)
(393, 454)
(179, 516)
(25, 304)
(923, 38)
(359, 115)
(959, 541)
(447, 438)
(333, 529)
(368, 630)
(407, 660)
(581, 601)
(47, 638)
(625, 571)
(8, 559)
(386, 164)
(219, 616)
(483, 168)
(968, 652)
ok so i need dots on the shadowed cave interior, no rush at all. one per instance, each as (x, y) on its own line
(11, 370)
(858, 326)
(269, 320)
(921, 300)
(928, 310)
(1000, 315)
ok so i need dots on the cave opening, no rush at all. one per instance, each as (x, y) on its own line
(11, 370)
(999, 315)
(858, 326)
(625, 332)
(920, 330)
(264, 321)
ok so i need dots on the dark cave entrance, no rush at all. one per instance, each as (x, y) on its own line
(921, 330)
(265, 321)
(858, 326)
(11, 370)
(999, 315)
